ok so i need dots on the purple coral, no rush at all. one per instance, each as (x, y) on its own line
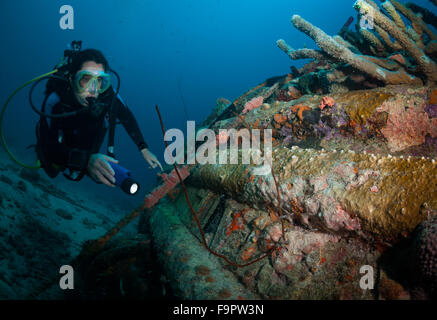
(339, 116)
(323, 130)
(432, 142)
(431, 110)
(287, 133)
(332, 121)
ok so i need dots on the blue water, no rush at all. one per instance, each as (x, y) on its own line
(212, 48)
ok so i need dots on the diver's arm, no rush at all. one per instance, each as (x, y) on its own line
(130, 124)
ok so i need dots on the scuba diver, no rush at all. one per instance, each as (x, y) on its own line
(77, 111)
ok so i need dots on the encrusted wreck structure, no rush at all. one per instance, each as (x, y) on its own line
(352, 186)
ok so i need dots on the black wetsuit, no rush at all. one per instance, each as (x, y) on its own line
(69, 142)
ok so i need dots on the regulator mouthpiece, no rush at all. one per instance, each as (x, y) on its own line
(95, 108)
(91, 101)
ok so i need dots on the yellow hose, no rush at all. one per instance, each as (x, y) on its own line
(38, 164)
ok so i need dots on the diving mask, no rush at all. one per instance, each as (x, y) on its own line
(93, 81)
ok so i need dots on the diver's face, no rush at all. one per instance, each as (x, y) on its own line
(91, 91)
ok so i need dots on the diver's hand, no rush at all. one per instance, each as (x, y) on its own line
(151, 158)
(100, 170)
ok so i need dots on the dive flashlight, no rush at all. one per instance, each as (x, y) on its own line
(123, 179)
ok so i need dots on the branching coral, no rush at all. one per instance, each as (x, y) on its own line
(338, 52)
(427, 15)
(427, 67)
(369, 49)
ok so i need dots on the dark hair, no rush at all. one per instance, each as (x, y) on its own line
(88, 55)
